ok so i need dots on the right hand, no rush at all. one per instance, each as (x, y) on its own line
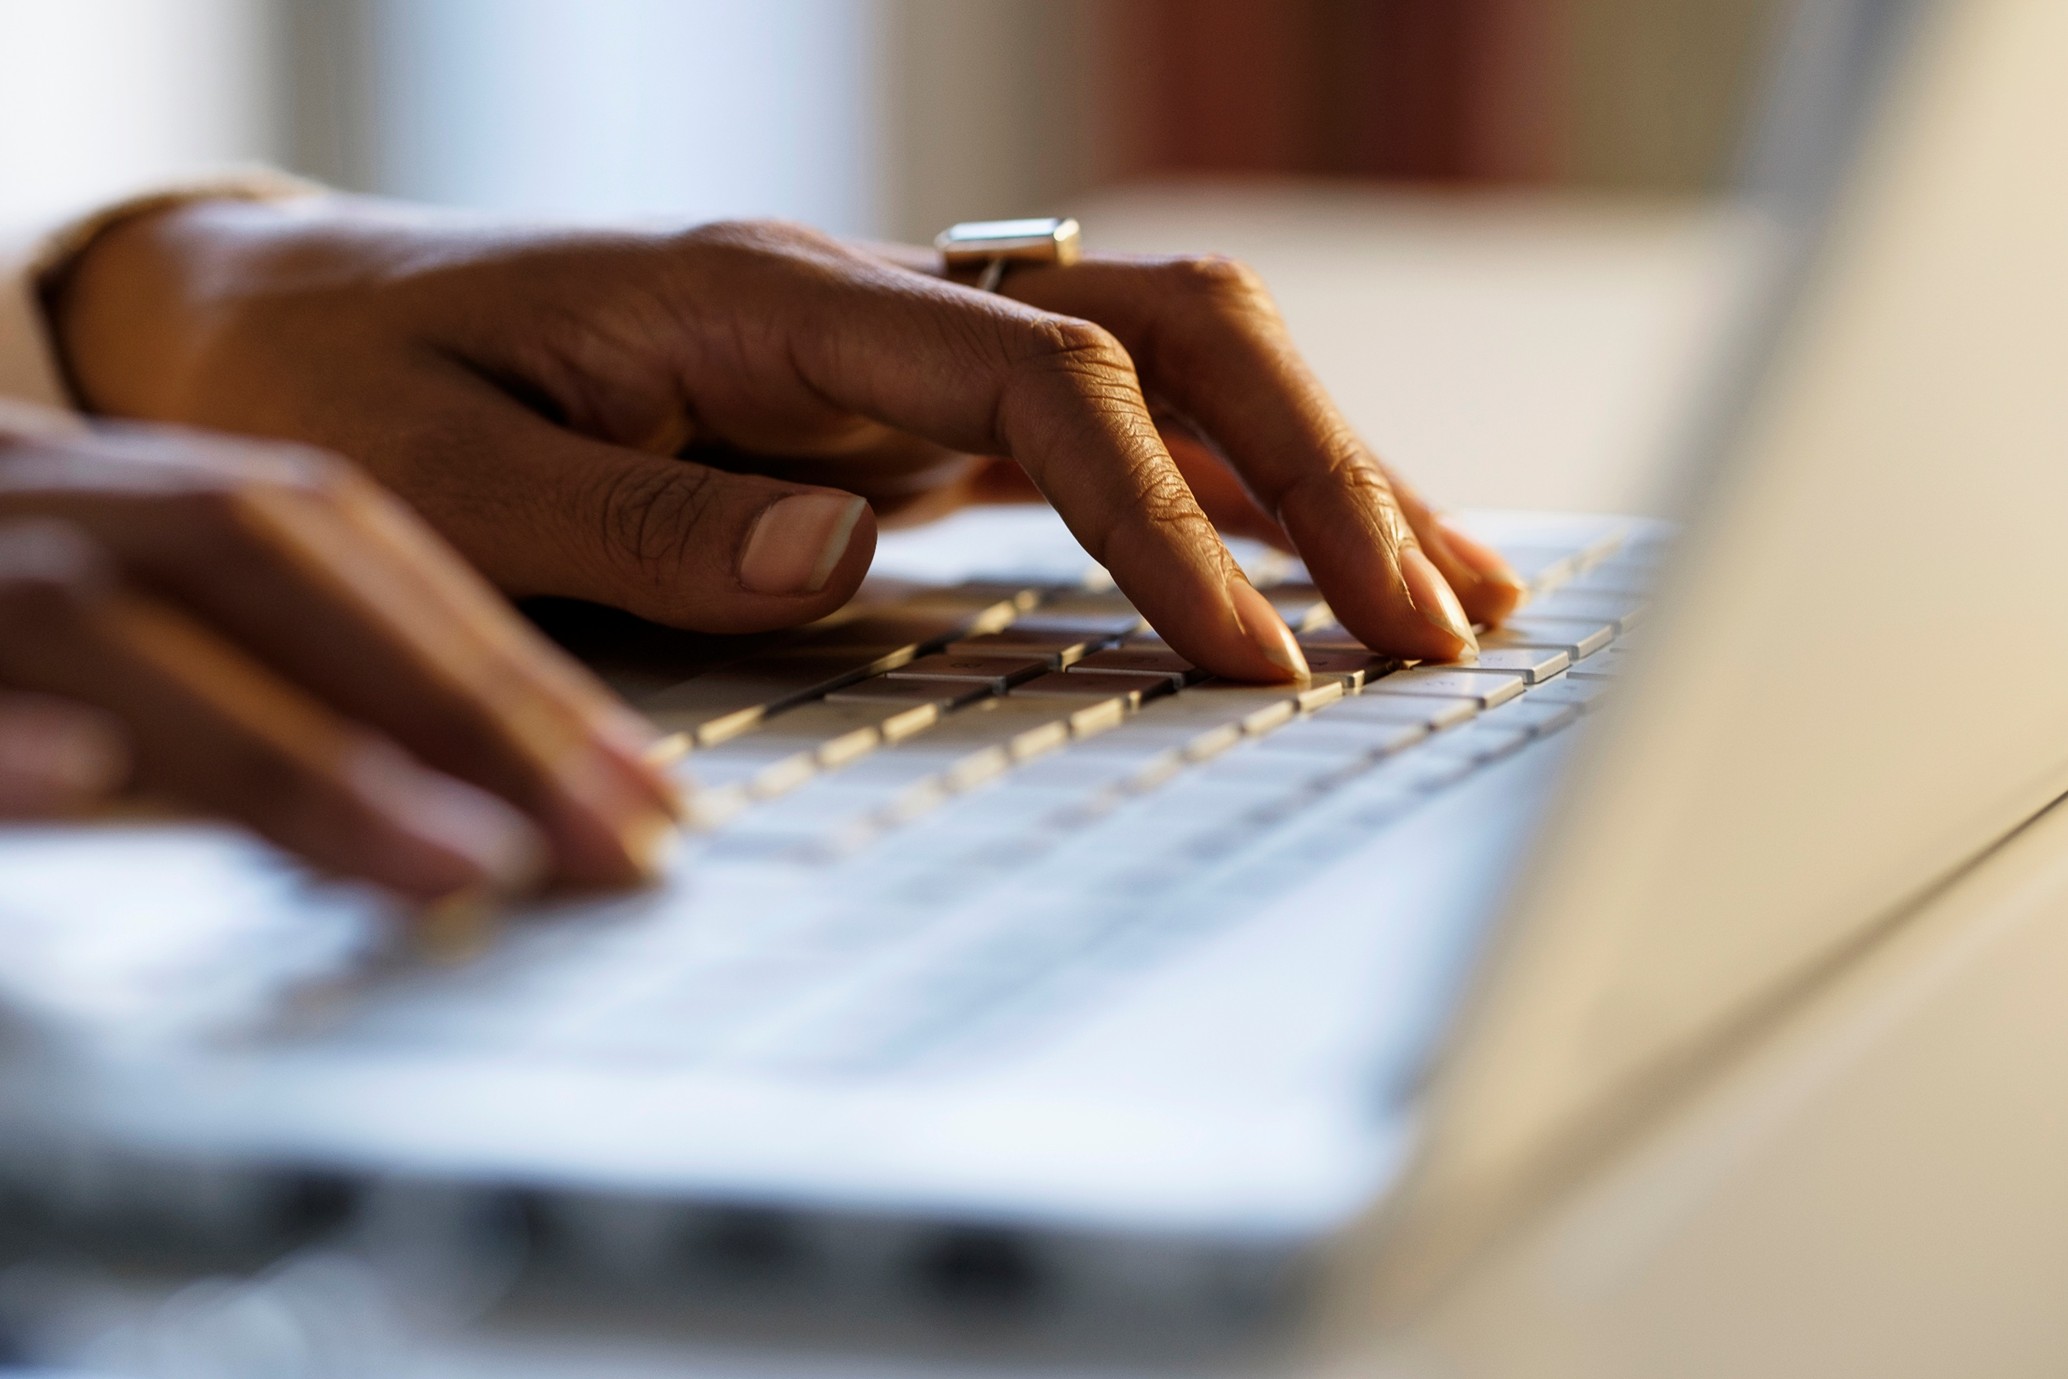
(262, 632)
(679, 424)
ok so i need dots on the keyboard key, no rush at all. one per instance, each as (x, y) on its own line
(1618, 578)
(1541, 567)
(1435, 712)
(1352, 667)
(933, 766)
(834, 733)
(742, 759)
(1475, 744)
(1059, 647)
(1077, 773)
(1347, 738)
(725, 703)
(709, 805)
(1582, 691)
(1625, 613)
(1249, 772)
(1129, 690)
(814, 816)
(1529, 714)
(1606, 666)
(1451, 682)
(997, 672)
(1331, 636)
(1577, 637)
(1300, 604)
(946, 694)
(976, 606)
(1107, 614)
(1137, 661)
(1256, 708)
(732, 699)
(1534, 664)
(1023, 728)
(717, 705)
(892, 635)
(1149, 735)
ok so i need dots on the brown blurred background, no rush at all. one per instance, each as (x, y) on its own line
(872, 115)
(1019, 103)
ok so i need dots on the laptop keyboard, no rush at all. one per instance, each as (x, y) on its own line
(926, 829)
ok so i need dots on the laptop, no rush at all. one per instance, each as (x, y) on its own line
(1017, 971)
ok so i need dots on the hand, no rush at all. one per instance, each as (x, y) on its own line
(259, 631)
(675, 424)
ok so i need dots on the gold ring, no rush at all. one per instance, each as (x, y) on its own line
(995, 245)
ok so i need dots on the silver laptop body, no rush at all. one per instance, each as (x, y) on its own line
(1158, 1011)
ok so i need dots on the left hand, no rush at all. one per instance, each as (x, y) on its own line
(673, 423)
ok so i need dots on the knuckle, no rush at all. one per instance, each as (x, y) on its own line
(651, 517)
(1347, 471)
(1064, 357)
(1220, 281)
(1066, 344)
(1166, 501)
(1161, 503)
(755, 235)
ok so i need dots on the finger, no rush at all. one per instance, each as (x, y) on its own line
(672, 540)
(1220, 493)
(57, 758)
(323, 576)
(461, 609)
(1208, 337)
(1488, 585)
(212, 728)
(985, 375)
(1218, 489)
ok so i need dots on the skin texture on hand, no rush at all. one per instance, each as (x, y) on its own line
(678, 424)
(261, 632)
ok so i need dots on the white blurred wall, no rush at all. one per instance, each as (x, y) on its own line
(666, 108)
(98, 95)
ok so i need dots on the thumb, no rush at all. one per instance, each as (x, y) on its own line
(670, 540)
(56, 758)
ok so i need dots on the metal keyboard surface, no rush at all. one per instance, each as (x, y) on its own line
(926, 830)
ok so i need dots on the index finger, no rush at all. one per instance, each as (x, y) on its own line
(1211, 342)
(1057, 394)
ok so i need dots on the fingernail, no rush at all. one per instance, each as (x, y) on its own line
(667, 751)
(459, 926)
(646, 754)
(507, 851)
(652, 842)
(645, 834)
(1433, 598)
(1262, 625)
(1486, 562)
(797, 541)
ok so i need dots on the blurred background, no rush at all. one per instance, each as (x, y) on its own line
(1495, 224)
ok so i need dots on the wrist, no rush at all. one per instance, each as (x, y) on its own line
(105, 307)
(105, 283)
